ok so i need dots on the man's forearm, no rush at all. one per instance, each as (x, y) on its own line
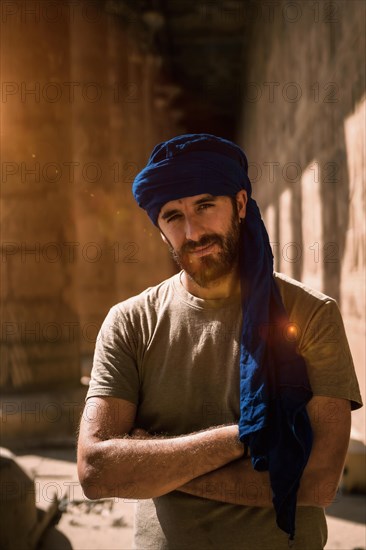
(239, 483)
(234, 483)
(145, 468)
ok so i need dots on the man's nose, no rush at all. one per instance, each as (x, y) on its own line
(193, 229)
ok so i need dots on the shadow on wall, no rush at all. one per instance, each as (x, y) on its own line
(317, 227)
(303, 127)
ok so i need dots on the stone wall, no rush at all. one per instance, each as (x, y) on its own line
(82, 104)
(303, 128)
(39, 345)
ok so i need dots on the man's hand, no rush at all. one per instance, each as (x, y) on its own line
(113, 463)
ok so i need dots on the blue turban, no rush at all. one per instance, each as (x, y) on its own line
(274, 386)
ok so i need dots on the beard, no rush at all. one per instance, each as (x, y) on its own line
(212, 267)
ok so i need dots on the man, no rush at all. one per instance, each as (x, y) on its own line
(222, 359)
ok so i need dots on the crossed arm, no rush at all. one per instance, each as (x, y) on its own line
(209, 463)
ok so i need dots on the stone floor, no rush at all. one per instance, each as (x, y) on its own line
(108, 524)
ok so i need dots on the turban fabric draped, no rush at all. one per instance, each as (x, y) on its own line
(274, 386)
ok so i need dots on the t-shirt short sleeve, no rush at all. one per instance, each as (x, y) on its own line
(114, 371)
(325, 349)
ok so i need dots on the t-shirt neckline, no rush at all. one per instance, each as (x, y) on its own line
(200, 303)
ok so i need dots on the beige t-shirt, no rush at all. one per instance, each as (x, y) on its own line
(177, 358)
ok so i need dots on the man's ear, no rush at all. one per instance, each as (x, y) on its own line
(241, 202)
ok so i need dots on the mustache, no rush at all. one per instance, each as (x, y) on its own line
(206, 240)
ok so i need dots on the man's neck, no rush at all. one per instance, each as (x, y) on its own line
(222, 288)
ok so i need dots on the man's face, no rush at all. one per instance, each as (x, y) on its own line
(202, 233)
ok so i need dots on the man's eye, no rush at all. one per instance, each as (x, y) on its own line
(173, 218)
(205, 206)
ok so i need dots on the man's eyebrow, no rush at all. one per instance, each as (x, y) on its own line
(210, 198)
(207, 198)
